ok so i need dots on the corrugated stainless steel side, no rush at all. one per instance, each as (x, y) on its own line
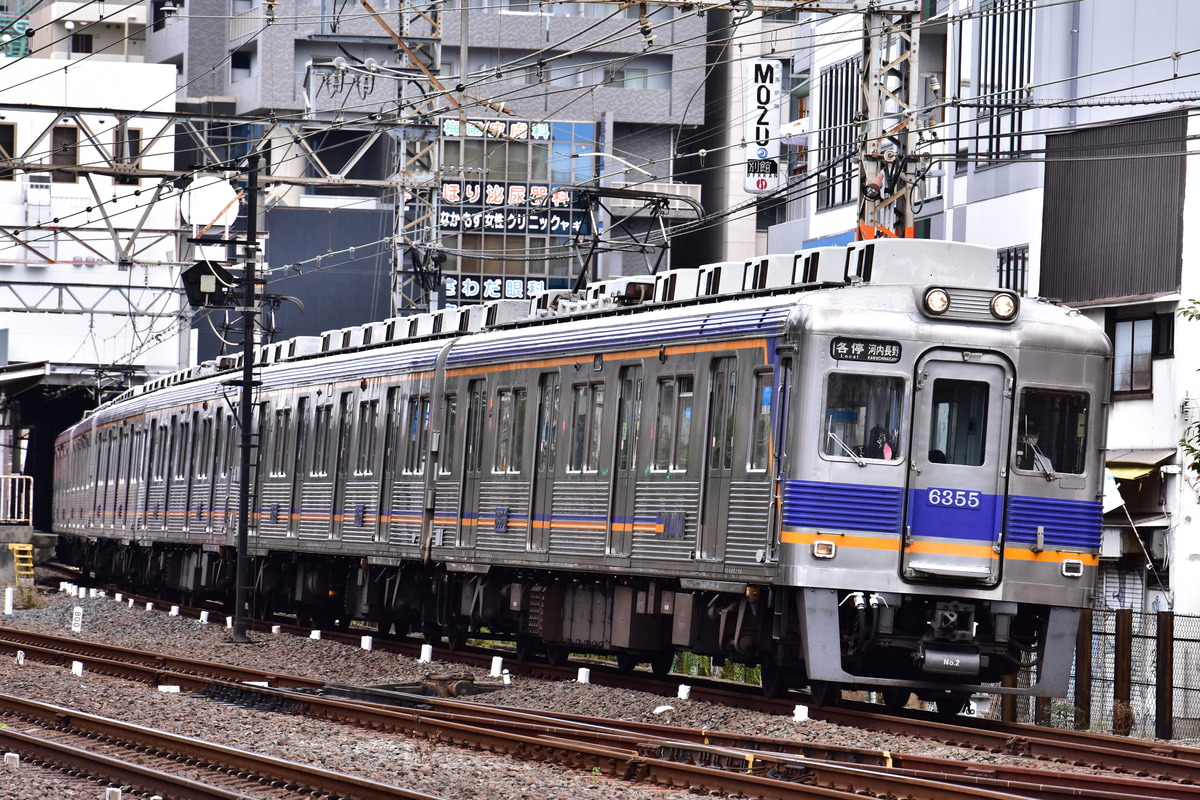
(404, 515)
(360, 512)
(316, 507)
(1112, 225)
(275, 509)
(654, 499)
(747, 526)
(507, 501)
(579, 512)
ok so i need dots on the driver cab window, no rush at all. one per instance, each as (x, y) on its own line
(1052, 431)
(862, 417)
(958, 422)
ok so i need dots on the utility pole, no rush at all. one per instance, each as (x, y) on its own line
(888, 164)
(246, 404)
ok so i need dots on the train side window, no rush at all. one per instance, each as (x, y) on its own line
(1052, 429)
(587, 414)
(301, 436)
(473, 452)
(510, 434)
(760, 424)
(204, 447)
(280, 457)
(416, 435)
(321, 432)
(368, 413)
(958, 422)
(863, 416)
(449, 429)
(674, 415)
(345, 427)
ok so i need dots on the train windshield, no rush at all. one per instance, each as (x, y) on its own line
(1052, 431)
(863, 417)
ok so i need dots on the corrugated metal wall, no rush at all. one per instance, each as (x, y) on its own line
(1113, 218)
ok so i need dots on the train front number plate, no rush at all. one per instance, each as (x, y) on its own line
(953, 498)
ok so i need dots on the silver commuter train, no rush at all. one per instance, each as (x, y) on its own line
(856, 467)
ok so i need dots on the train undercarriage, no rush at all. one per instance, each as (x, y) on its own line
(893, 643)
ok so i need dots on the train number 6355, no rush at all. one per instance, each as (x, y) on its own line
(954, 498)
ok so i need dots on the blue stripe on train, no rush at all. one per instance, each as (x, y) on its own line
(845, 506)
(1065, 523)
(880, 509)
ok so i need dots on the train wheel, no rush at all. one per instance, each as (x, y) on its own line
(661, 663)
(774, 684)
(895, 699)
(526, 647)
(557, 654)
(951, 704)
(456, 637)
(825, 694)
(627, 662)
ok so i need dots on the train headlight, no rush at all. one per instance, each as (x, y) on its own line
(1004, 306)
(823, 548)
(937, 301)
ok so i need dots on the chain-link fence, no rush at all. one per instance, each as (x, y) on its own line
(1140, 676)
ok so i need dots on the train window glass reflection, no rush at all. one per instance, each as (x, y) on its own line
(586, 417)
(365, 460)
(958, 422)
(416, 435)
(280, 455)
(510, 435)
(863, 417)
(321, 433)
(449, 426)
(674, 416)
(760, 431)
(1052, 428)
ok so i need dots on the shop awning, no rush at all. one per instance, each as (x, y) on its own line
(1132, 465)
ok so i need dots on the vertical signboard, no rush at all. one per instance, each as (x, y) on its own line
(764, 117)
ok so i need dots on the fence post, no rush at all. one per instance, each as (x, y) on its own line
(1083, 672)
(1164, 680)
(1122, 672)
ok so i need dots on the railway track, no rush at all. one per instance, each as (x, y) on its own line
(161, 763)
(662, 754)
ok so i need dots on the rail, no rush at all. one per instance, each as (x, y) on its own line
(16, 500)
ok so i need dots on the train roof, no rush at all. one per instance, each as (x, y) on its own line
(564, 321)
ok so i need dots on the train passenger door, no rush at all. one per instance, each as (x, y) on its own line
(625, 461)
(541, 504)
(718, 458)
(954, 520)
(472, 472)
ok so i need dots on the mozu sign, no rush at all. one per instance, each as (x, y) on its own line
(764, 117)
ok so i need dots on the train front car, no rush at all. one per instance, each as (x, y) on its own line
(941, 502)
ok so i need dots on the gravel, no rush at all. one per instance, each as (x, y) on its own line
(390, 758)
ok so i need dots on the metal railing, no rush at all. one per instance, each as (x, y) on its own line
(16, 500)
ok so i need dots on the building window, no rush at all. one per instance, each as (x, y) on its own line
(626, 78)
(1005, 68)
(64, 154)
(837, 141)
(1137, 342)
(81, 43)
(242, 64)
(1133, 341)
(1012, 265)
